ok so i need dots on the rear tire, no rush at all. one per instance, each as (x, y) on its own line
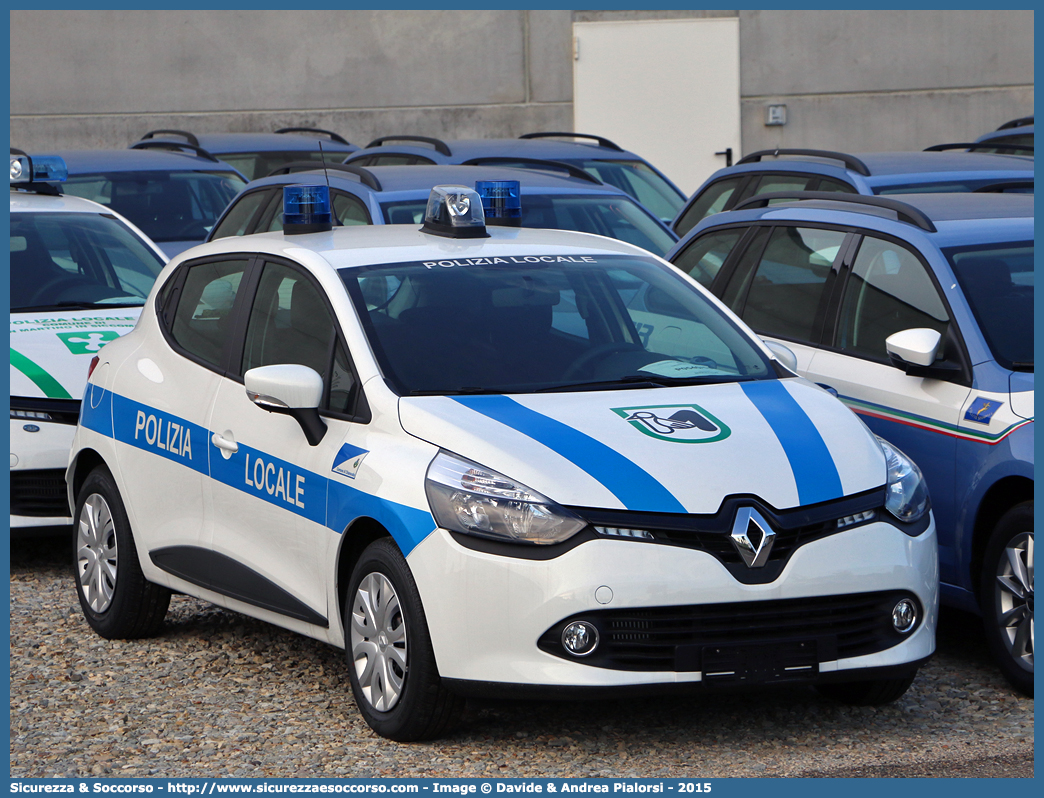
(1006, 596)
(116, 599)
(391, 663)
(868, 693)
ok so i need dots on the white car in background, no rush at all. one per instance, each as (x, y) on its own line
(79, 275)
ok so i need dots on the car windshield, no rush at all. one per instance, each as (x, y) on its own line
(525, 324)
(260, 164)
(641, 181)
(997, 281)
(166, 206)
(69, 260)
(616, 217)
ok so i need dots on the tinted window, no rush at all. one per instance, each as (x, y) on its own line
(770, 183)
(642, 182)
(785, 295)
(78, 259)
(711, 201)
(166, 206)
(998, 283)
(826, 184)
(888, 290)
(261, 164)
(389, 160)
(201, 324)
(237, 221)
(703, 258)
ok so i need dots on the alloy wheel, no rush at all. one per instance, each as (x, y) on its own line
(96, 553)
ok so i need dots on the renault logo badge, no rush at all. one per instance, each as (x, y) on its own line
(752, 536)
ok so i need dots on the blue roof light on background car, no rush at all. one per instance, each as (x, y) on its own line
(501, 201)
(454, 212)
(306, 209)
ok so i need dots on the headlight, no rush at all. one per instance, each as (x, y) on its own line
(466, 497)
(906, 494)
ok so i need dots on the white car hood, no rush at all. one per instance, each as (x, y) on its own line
(677, 450)
(51, 352)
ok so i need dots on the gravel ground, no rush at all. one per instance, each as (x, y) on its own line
(223, 695)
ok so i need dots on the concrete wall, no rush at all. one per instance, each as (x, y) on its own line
(854, 80)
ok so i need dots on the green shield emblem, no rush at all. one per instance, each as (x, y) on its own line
(675, 423)
(87, 343)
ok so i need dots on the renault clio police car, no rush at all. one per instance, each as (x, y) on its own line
(78, 277)
(487, 459)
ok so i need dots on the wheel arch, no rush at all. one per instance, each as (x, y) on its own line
(84, 463)
(360, 533)
(1001, 497)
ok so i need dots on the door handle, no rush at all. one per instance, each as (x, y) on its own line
(227, 445)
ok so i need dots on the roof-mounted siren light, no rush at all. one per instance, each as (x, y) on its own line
(42, 169)
(501, 202)
(454, 212)
(306, 209)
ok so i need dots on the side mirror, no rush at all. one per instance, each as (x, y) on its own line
(290, 390)
(783, 354)
(918, 346)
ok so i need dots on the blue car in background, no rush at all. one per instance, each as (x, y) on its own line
(399, 195)
(882, 173)
(254, 154)
(1018, 133)
(173, 197)
(918, 314)
(596, 155)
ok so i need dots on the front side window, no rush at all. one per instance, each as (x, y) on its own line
(78, 260)
(546, 323)
(888, 291)
(201, 323)
(703, 258)
(711, 201)
(786, 293)
(997, 281)
(166, 206)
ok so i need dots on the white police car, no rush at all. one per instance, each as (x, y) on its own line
(487, 460)
(79, 275)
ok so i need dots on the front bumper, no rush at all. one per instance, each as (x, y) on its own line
(487, 613)
(38, 463)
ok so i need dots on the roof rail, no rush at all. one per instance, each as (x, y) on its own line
(1002, 186)
(850, 161)
(173, 145)
(171, 132)
(366, 177)
(439, 145)
(903, 211)
(980, 145)
(1022, 121)
(602, 142)
(333, 136)
(536, 163)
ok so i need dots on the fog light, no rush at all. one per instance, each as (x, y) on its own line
(580, 638)
(904, 616)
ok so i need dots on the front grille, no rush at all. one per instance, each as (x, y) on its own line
(39, 493)
(58, 411)
(818, 629)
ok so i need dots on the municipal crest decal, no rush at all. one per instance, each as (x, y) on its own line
(676, 423)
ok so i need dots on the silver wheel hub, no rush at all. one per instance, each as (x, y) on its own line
(378, 641)
(1013, 598)
(96, 555)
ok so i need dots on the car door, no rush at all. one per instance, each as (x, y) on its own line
(889, 288)
(270, 490)
(160, 409)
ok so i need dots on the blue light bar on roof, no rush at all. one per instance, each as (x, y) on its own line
(501, 201)
(41, 169)
(306, 209)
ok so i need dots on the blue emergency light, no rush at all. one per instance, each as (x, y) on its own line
(306, 209)
(42, 169)
(501, 201)
(454, 212)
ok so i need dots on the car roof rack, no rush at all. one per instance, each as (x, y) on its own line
(366, 177)
(602, 142)
(333, 136)
(850, 161)
(174, 145)
(1002, 186)
(904, 212)
(538, 163)
(1022, 121)
(439, 145)
(191, 139)
(987, 144)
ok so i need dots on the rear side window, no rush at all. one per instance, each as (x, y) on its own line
(201, 324)
(711, 201)
(703, 258)
(237, 221)
(788, 286)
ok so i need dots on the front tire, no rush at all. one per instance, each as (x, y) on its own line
(868, 693)
(1006, 596)
(116, 599)
(390, 660)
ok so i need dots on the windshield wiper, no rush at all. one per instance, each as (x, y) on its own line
(467, 390)
(638, 381)
(1022, 365)
(74, 306)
